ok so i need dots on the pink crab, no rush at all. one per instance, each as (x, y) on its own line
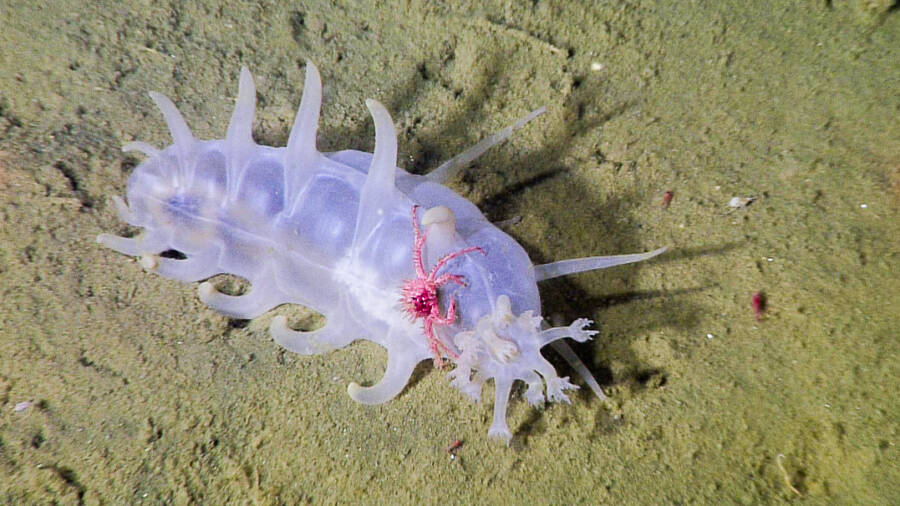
(420, 295)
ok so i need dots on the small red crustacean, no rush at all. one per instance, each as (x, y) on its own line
(759, 304)
(454, 446)
(667, 198)
(420, 297)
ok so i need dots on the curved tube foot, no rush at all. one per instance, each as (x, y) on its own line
(123, 212)
(399, 369)
(260, 299)
(328, 338)
(187, 271)
(132, 246)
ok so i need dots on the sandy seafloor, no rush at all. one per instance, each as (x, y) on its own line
(142, 395)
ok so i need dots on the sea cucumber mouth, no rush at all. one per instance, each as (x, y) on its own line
(506, 347)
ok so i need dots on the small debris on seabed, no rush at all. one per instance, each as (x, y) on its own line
(785, 475)
(759, 305)
(22, 406)
(740, 202)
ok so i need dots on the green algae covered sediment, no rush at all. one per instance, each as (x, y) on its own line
(142, 395)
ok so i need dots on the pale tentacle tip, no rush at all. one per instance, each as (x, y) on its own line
(206, 290)
(149, 262)
(280, 331)
(377, 109)
(354, 390)
(278, 322)
(535, 395)
(143, 147)
(501, 433)
(121, 206)
(110, 240)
